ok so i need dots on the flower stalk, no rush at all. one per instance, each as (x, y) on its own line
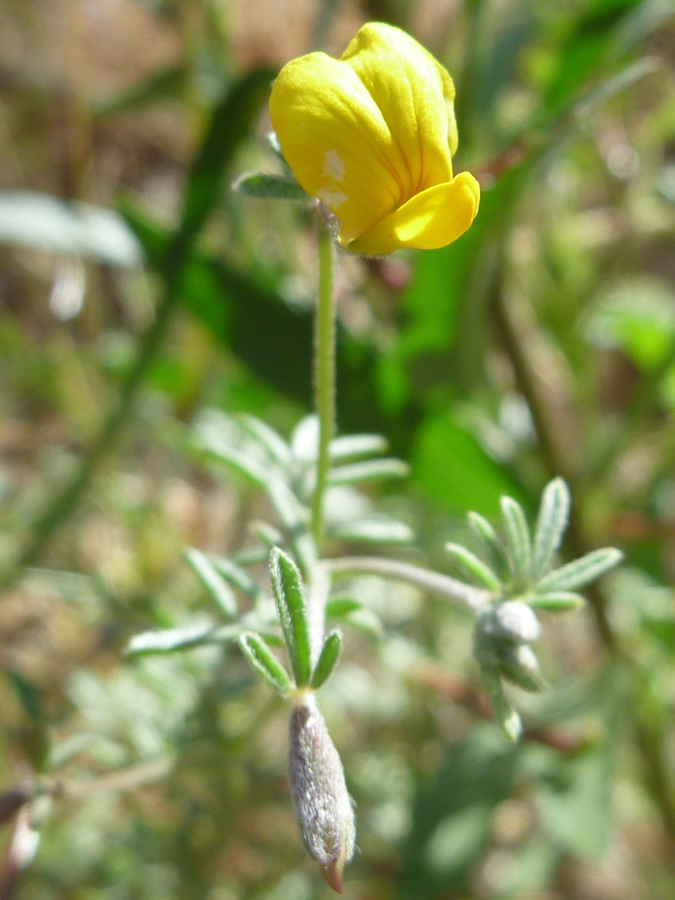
(324, 374)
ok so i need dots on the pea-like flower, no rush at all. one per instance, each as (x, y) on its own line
(372, 135)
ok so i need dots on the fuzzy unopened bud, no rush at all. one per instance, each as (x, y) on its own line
(511, 620)
(519, 664)
(322, 806)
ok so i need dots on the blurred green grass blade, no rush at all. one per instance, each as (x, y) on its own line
(264, 662)
(28, 695)
(289, 593)
(230, 124)
(159, 86)
(606, 32)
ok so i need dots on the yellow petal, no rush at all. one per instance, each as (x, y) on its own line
(432, 219)
(415, 96)
(336, 141)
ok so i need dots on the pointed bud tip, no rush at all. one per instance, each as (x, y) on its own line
(333, 873)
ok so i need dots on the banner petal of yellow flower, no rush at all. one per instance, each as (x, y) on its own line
(415, 96)
(335, 140)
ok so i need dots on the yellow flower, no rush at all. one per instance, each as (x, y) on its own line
(372, 136)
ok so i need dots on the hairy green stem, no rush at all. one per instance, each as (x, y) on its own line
(432, 582)
(324, 375)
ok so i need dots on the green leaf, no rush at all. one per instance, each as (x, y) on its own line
(328, 658)
(289, 593)
(270, 187)
(518, 538)
(166, 83)
(452, 814)
(212, 581)
(374, 530)
(269, 439)
(479, 572)
(238, 577)
(552, 521)
(356, 446)
(262, 659)
(454, 470)
(169, 640)
(342, 607)
(370, 470)
(230, 124)
(556, 601)
(581, 571)
(492, 546)
(210, 441)
(28, 694)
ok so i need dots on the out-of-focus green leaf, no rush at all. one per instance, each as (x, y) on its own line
(230, 124)
(581, 572)
(270, 440)
(452, 813)
(28, 694)
(518, 537)
(552, 520)
(167, 83)
(30, 219)
(270, 187)
(169, 640)
(369, 470)
(354, 446)
(374, 530)
(477, 570)
(212, 581)
(578, 789)
(237, 577)
(556, 601)
(455, 471)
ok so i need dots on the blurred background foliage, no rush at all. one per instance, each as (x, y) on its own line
(137, 292)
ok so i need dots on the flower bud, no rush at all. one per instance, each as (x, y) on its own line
(322, 805)
(512, 620)
(519, 664)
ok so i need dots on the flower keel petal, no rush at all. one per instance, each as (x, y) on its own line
(432, 219)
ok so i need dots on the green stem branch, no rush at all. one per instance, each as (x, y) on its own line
(324, 376)
(432, 582)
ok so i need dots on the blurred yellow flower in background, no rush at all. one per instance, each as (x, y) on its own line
(372, 135)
